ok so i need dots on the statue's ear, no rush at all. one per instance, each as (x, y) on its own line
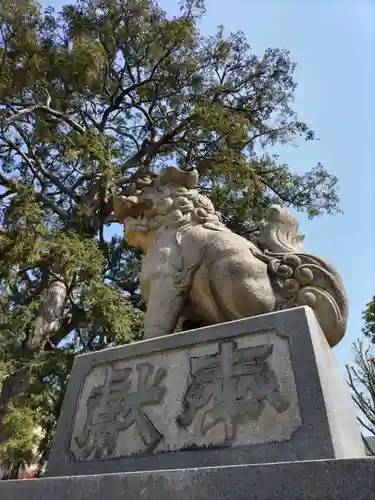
(176, 177)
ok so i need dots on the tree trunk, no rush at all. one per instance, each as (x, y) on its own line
(50, 314)
(47, 323)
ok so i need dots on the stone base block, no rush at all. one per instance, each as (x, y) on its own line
(315, 480)
(263, 389)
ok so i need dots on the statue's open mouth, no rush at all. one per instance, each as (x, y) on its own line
(138, 224)
(130, 207)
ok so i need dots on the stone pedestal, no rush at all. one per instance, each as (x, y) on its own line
(263, 389)
(317, 480)
(255, 408)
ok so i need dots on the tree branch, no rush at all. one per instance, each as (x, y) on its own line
(35, 159)
(13, 185)
(42, 107)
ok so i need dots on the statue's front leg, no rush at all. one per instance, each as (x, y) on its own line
(164, 305)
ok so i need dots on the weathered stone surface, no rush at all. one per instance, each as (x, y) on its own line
(144, 404)
(316, 480)
(197, 271)
(256, 390)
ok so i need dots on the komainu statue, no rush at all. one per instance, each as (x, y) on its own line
(198, 272)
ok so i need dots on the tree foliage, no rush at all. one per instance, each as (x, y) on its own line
(90, 97)
(369, 319)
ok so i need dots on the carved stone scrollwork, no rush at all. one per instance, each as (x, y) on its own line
(300, 278)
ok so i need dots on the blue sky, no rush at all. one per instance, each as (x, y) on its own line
(332, 43)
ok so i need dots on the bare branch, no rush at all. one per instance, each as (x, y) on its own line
(116, 100)
(6, 194)
(13, 185)
(35, 161)
(361, 382)
(43, 107)
(149, 120)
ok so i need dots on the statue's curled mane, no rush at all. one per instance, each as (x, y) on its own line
(180, 206)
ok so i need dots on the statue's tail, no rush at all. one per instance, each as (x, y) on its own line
(300, 278)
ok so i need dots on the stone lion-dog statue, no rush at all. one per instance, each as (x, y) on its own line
(196, 272)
